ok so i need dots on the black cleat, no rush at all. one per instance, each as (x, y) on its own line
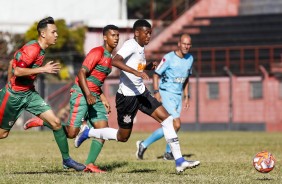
(168, 156)
(140, 150)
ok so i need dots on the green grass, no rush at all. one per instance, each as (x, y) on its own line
(226, 157)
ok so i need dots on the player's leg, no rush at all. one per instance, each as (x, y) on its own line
(168, 154)
(171, 103)
(48, 116)
(95, 149)
(127, 107)
(97, 118)
(10, 109)
(78, 110)
(172, 139)
(159, 113)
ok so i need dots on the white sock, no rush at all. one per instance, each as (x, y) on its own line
(103, 133)
(171, 137)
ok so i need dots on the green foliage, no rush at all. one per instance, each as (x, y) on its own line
(69, 40)
(31, 33)
(141, 8)
(226, 157)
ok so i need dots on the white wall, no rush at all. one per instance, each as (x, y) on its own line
(18, 15)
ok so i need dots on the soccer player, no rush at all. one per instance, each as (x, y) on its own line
(132, 96)
(87, 99)
(19, 93)
(170, 80)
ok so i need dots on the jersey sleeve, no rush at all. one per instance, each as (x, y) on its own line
(126, 50)
(92, 59)
(29, 54)
(164, 64)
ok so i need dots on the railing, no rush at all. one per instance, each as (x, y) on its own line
(243, 59)
(176, 9)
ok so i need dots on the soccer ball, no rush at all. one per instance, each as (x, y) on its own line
(264, 162)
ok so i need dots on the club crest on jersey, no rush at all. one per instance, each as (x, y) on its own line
(11, 123)
(127, 119)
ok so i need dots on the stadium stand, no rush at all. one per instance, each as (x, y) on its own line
(239, 42)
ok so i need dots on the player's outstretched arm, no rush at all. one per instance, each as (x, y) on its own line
(118, 62)
(22, 70)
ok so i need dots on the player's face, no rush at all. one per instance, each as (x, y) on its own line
(185, 44)
(50, 33)
(144, 35)
(112, 38)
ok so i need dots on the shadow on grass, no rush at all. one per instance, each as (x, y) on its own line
(142, 171)
(64, 172)
(264, 179)
(112, 166)
(109, 167)
(184, 155)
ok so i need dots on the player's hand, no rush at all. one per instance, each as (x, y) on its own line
(155, 65)
(90, 99)
(107, 106)
(186, 103)
(143, 75)
(52, 67)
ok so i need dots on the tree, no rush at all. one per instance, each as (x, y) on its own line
(69, 40)
(68, 49)
(141, 8)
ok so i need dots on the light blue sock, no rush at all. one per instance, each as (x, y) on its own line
(156, 135)
(167, 149)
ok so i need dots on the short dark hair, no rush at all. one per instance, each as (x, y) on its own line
(108, 27)
(141, 23)
(43, 23)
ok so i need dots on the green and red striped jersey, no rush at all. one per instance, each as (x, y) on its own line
(98, 63)
(32, 55)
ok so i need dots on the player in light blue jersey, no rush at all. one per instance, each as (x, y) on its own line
(170, 81)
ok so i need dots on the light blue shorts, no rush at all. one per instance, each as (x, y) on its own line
(172, 103)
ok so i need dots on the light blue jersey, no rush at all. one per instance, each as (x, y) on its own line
(173, 72)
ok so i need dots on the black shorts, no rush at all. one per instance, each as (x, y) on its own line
(127, 107)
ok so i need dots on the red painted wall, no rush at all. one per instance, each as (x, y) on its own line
(245, 109)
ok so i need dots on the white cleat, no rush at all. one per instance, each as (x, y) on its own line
(187, 165)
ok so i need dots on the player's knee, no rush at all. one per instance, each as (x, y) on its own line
(56, 124)
(122, 139)
(3, 135)
(72, 135)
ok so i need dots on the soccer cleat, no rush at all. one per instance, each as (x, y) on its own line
(70, 163)
(186, 165)
(33, 122)
(140, 150)
(81, 136)
(168, 156)
(93, 169)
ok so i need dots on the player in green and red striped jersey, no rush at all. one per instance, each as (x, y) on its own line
(87, 99)
(19, 93)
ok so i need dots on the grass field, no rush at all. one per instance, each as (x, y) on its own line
(226, 157)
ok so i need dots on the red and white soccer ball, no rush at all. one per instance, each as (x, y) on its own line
(264, 162)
